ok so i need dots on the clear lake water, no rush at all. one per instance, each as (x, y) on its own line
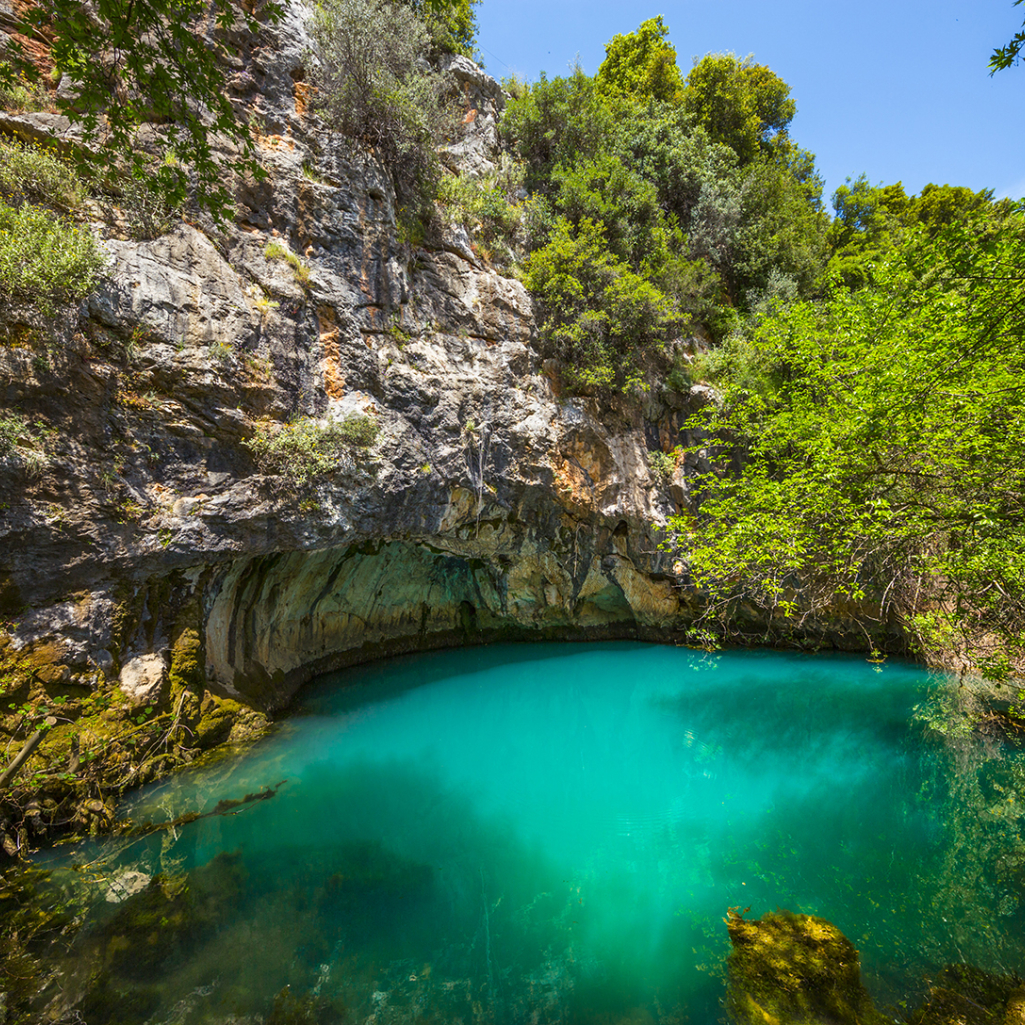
(554, 833)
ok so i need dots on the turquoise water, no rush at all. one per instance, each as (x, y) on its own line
(551, 833)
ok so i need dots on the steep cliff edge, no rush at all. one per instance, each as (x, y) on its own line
(489, 506)
(147, 547)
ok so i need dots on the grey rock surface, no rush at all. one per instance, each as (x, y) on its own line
(490, 506)
(143, 679)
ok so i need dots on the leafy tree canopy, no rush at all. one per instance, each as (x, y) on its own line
(664, 197)
(152, 61)
(882, 439)
(559, 121)
(642, 65)
(452, 24)
(738, 102)
(870, 219)
(603, 322)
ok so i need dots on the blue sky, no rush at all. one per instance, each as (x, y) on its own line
(898, 90)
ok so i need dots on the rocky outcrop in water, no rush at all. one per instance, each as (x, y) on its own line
(788, 969)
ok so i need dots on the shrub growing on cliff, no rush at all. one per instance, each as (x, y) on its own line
(21, 96)
(28, 173)
(486, 207)
(307, 448)
(155, 61)
(375, 85)
(44, 260)
(300, 269)
(599, 319)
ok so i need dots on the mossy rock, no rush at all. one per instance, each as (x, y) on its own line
(212, 730)
(788, 969)
(186, 660)
(221, 719)
(963, 995)
(170, 916)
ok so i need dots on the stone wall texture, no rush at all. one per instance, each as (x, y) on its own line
(491, 506)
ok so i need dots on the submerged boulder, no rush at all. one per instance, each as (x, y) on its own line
(964, 995)
(788, 969)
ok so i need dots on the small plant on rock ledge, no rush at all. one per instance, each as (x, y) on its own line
(300, 269)
(38, 174)
(663, 464)
(222, 352)
(300, 451)
(20, 443)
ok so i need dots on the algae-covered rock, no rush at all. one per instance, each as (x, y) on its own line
(1014, 1010)
(788, 969)
(169, 916)
(964, 995)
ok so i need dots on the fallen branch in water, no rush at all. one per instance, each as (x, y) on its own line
(229, 806)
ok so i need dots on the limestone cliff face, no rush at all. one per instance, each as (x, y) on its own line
(491, 506)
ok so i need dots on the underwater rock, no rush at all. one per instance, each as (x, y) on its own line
(788, 969)
(125, 885)
(963, 995)
(170, 915)
(1014, 1010)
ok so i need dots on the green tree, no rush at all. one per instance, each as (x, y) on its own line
(451, 23)
(662, 145)
(606, 192)
(762, 221)
(867, 216)
(1004, 56)
(738, 102)
(642, 65)
(559, 121)
(783, 229)
(148, 61)
(881, 441)
(871, 219)
(939, 205)
(604, 323)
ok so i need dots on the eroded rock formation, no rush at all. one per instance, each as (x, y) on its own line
(492, 505)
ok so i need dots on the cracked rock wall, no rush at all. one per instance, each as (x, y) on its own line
(491, 507)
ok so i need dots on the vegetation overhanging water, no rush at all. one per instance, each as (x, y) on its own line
(554, 833)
